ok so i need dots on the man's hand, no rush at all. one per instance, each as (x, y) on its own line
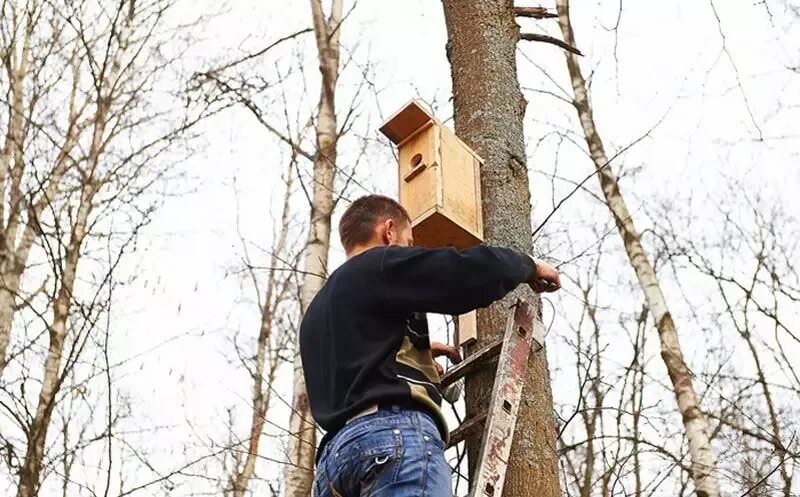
(546, 278)
(440, 349)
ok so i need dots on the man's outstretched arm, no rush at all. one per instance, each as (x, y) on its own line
(448, 281)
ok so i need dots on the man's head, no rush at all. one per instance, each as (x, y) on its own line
(373, 221)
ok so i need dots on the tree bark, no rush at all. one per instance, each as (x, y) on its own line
(489, 109)
(13, 252)
(302, 429)
(12, 165)
(31, 470)
(694, 421)
(264, 360)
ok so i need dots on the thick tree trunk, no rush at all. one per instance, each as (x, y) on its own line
(694, 421)
(489, 110)
(302, 441)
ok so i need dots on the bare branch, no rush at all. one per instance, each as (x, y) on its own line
(551, 40)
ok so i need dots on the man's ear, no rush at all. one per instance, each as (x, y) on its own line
(387, 231)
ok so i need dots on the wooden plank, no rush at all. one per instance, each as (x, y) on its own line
(433, 229)
(437, 147)
(467, 328)
(413, 135)
(467, 428)
(406, 121)
(478, 196)
(472, 363)
(458, 182)
(512, 369)
(418, 194)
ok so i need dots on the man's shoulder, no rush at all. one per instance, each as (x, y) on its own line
(353, 269)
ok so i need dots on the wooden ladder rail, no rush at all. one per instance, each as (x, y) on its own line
(523, 332)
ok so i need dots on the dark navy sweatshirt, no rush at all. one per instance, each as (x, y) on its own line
(364, 337)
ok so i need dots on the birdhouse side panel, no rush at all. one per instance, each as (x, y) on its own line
(419, 178)
(477, 165)
(461, 199)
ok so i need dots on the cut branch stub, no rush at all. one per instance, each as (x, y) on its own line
(534, 12)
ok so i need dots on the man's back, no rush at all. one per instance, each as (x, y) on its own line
(363, 340)
(358, 349)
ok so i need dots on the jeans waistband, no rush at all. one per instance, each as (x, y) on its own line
(396, 406)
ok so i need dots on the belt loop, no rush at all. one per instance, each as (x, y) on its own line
(395, 408)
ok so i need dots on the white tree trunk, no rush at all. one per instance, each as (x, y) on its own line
(30, 473)
(694, 421)
(17, 67)
(14, 253)
(265, 360)
(302, 429)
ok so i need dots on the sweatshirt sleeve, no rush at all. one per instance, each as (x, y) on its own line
(449, 281)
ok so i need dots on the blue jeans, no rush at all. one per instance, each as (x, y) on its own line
(394, 452)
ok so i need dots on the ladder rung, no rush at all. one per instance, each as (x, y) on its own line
(466, 428)
(473, 362)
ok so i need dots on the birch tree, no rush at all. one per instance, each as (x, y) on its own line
(694, 420)
(272, 340)
(319, 187)
(748, 258)
(87, 139)
(302, 445)
(26, 52)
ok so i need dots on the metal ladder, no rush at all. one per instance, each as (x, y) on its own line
(523, 332)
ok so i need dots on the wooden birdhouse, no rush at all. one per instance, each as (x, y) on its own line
(440, 187)
(439, 179)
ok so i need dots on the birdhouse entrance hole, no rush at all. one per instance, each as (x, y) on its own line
(417, 166)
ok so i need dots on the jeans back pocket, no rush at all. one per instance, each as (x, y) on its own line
(371, 460)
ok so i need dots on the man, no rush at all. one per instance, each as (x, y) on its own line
(372, 381)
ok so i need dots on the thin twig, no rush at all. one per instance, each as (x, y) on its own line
(262, 51)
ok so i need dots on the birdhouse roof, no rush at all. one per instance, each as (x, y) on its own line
(406, 121)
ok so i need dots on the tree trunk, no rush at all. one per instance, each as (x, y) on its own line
(261, 394)
(14, 254)
(302, 429)
(30, 472)
(8, 293)
(489, 109)
(694, 421)
(14, 147)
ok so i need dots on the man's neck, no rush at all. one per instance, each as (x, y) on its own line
(360, 249)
